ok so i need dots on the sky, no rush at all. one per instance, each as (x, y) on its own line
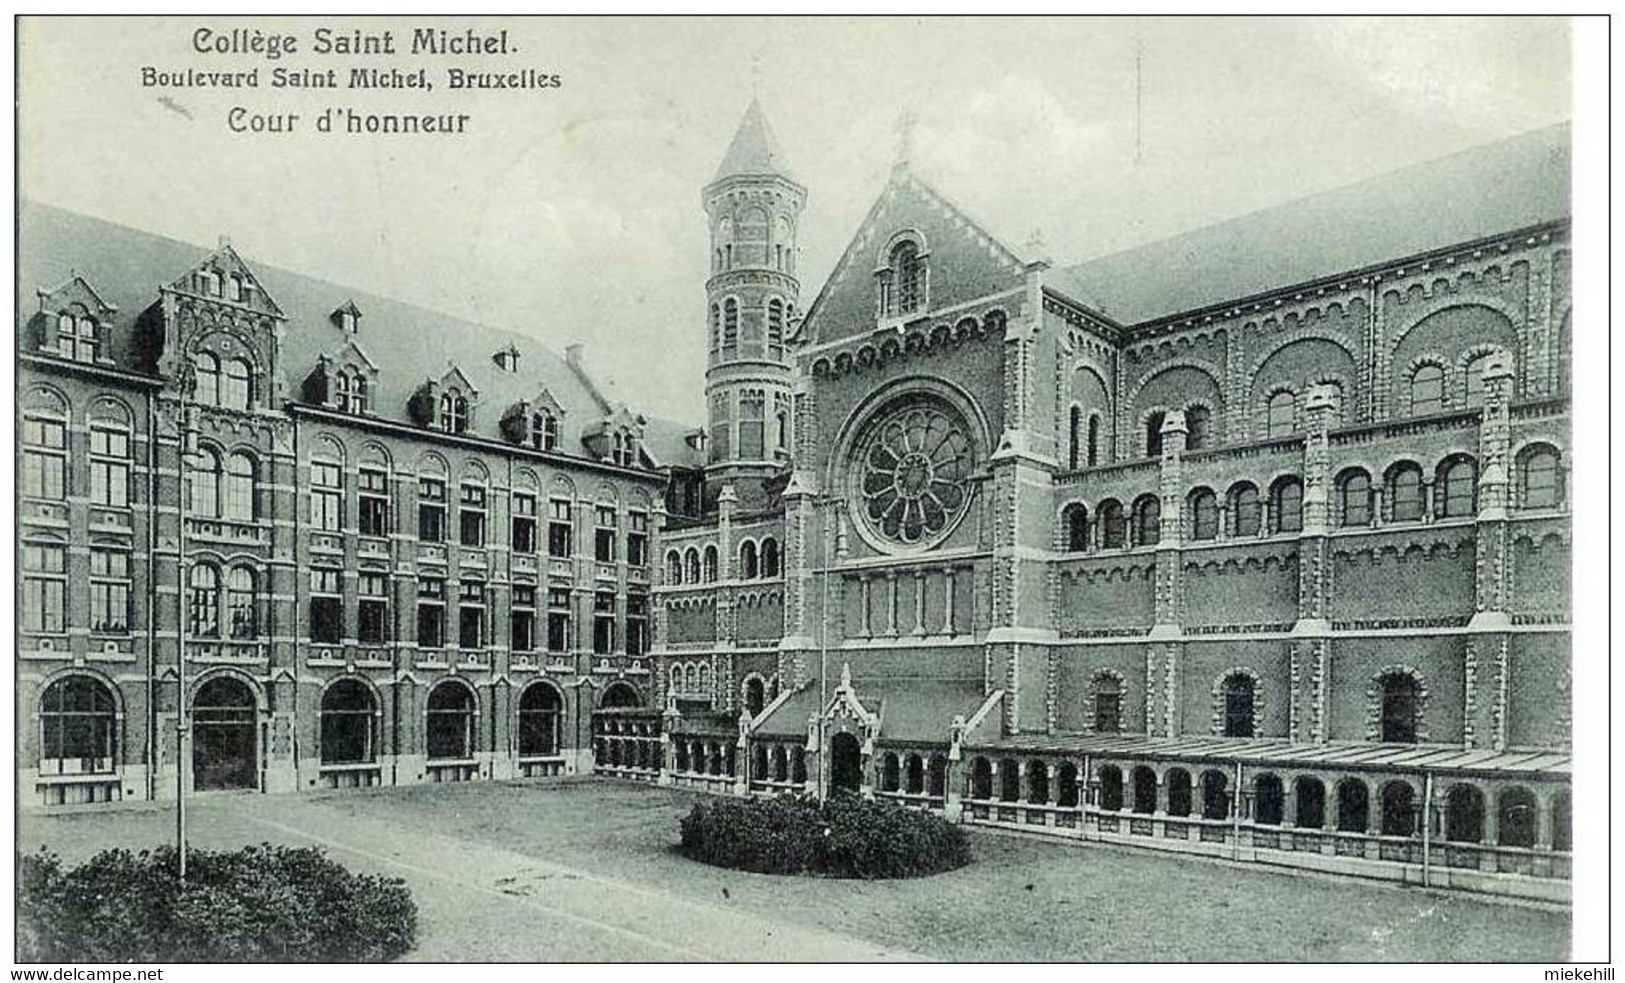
(573, 214)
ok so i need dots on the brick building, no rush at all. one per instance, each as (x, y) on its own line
(1254, 541)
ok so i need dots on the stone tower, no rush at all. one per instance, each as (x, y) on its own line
(754, 208)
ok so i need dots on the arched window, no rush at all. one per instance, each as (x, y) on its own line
(1280, 415)
(1473, 380)
(1144, 781)
(1238, 705)
(203, 611)
(1113, 529)
(453, 411)
(1074, 438)
(914, 775)
(540, 711)
(1148, 521)
(1009, 780)
(674, 568)
(341, 391)
(1204, 514)
(78, 727)
(1540, 481)
(730, 326)
(235, 387)
(981, 779)
(755, 696)
(349, 724)
(1354, 498)
(1269, 800)
(1405, 492)
(450, 722)
(240, 600)
(358, 393)
(1286, 505)
(1198, 421)
(691, 565)
(1179, 792)
(1076, 520)
(770, 557)
(1094, 440)
(710, 564)
(239, 488)
(747, 560)
(1401, 708)
(1562, 823)
(203, 500)
(1111, 788)
(1153, 433)
(1245, 512)
(1464, 815)
(1311, 796)
(716, 320)
(1215, 795)
(1398, 809)
(1108, 704)
(1037, 782)
(1353, 806)
(1427, 390)
(1066, 785)
(775, 328)
(1457, 489)
(206, 378)
(903, 285)
(1515, 817)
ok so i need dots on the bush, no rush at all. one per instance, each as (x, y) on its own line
(259, 904)
(846, 836)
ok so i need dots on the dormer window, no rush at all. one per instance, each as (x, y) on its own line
(350, 392)
(453, 411)
(624, 449)
(544, 431)
(903, 280)
(76, 337)
(507, 359)
(208, 283)
(234, 288)
(347, 317)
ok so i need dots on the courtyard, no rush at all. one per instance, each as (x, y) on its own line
(586, 869)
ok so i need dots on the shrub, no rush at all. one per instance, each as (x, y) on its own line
(845, 836)
(258, 904)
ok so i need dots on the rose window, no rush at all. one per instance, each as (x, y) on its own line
(913, 468)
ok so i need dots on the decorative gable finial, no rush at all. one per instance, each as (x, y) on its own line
(846, 676)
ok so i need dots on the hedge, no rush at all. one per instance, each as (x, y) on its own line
(845, 836)
(259, 904)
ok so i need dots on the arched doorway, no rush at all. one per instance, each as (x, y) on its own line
(845, 762)
(225, 725)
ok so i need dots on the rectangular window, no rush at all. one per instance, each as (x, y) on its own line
(110, 468)
(603, 622)
(752, 424)
(721, 428)
(45, 459)
(559, 537)
(558, 620)
(432, 510)
(604, 534)
(471, 516)
(431, 613)
(471, 616)
(524, 619)
(637, 624)
(374, 503)
(373, 608)
(326, 607)
(109, 591)
(327, 496)
(637, 539)
(44, 586)
(524, 523)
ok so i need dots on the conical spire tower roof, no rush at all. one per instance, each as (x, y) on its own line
(755, 149)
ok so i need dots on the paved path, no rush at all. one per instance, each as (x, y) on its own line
(476, 901)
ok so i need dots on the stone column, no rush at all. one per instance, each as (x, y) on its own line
(1488, 641)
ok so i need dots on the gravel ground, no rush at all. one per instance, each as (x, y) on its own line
(586, 870)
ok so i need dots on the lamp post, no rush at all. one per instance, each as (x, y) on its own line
(185, 381)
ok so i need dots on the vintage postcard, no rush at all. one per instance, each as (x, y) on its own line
(846, 489)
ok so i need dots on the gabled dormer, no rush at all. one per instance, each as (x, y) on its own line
(447, 403)
(345, 381)
(347, 317)
(507, 358)
(617, 439)
(534, 422)
(73, 322)
(225, 278)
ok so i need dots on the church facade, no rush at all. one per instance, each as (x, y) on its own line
(1253, 542)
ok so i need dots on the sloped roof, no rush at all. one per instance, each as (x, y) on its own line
(1483, 191)
(755, 149)
(408, 344)
(913, 710)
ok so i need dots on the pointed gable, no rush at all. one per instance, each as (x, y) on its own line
(963, 261)
(223, 277)
(755, 149)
